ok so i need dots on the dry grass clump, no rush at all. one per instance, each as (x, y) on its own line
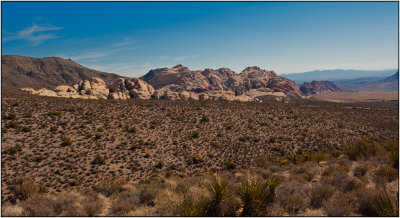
(320, 193)
(110, 185)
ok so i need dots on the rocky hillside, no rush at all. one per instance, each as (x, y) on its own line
(64, 78)
(180, 82)
(95, 88)
(19, 71)
(318, 87)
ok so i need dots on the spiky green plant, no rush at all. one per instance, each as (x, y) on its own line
(272, 183)
(252, 194)
(219, 191)
(386, 206)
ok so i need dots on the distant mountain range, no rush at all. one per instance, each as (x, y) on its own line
(390, 83)
(340, 75)
(54, 76)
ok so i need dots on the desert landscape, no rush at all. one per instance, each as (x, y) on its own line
(214, 109)
(66, 145)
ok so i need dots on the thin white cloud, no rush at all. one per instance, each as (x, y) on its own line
(126, 41)
(34, 34)
(180, 58)
(96, 53)
(165, 57)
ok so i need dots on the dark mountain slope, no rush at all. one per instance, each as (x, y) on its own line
(20, 71)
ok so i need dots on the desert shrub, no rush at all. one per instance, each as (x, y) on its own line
(215, 144)
(244, 138)
(337, 206)
(205, 119)
(39, 158)
(366, 201)
(98, 159)
(166, 202)
(159, 165)
(195, 134)
(219, 191)
(387, 173)
(92, 205)
(54, 113)
(386, 206)
(98, 135)
(53, 128)
(193, 207)
(100, 129)
(110, 185)
(291, 197)
(342, 181)
(26, 129)
(134, 146)
(360, 148)
(64, 205)
(195, 159)
(38, 205)
(130, 129)
(66, 141)
(230, 165)
(320, 193)
(124, 202)
(13, 124)
(262, 162)
(360, 170)
(319, 157)
(13, 150)
(272, 139)
(169, 173)
(148, 193)
(299, 158)
(11, 116)
(22, 188)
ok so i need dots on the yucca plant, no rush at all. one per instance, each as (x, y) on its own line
(219, 191)
(386, 206)
(394, 156)
(252, 194)
(272, 184)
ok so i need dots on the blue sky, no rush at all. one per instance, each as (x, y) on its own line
(130, 38)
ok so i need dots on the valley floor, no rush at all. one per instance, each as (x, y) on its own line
(150, 154)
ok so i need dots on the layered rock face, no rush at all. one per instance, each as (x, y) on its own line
(181, 83)
(318, 87)
(97, 89)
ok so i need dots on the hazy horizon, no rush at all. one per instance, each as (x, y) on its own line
(130, 38)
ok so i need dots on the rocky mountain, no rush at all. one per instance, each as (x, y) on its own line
(20, 71)
(390, 83)
(336, 75)
(65, 78)
(95, 88)
(318, 87)
(223, 83)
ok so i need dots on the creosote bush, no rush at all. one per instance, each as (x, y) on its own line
(99, 159)
(110, 185)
